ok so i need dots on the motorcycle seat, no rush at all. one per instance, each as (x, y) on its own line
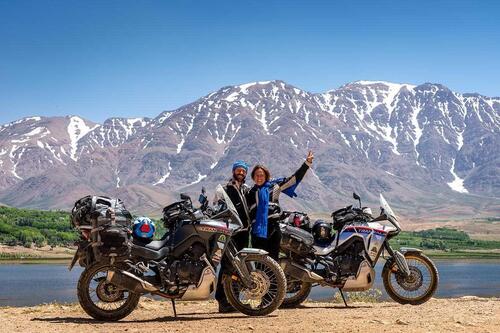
(154, 250)
(156, 245)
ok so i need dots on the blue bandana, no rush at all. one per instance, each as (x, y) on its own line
(240, 164)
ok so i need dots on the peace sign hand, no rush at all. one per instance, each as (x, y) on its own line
(310, 157)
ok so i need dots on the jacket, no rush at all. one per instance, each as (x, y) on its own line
(279, 185)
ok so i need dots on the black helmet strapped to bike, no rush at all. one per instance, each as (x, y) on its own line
(322, 232)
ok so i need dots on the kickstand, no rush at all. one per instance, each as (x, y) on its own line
(343, 298)
(173, 307)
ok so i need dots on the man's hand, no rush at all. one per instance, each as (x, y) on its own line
(310, 157)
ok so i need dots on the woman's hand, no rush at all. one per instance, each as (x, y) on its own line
(310, 157)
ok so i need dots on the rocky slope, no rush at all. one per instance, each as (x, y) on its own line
(429, 149)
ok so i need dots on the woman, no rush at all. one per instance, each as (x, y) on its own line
(263, 204)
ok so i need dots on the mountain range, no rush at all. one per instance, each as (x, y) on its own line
(430, 150)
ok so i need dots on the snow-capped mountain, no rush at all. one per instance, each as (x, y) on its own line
(425, 146)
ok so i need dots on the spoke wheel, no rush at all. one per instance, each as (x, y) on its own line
(267, 291)
(102, 300)
(296, 292)
(416, 288)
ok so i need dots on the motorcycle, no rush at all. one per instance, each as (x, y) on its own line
(179, 266)
(343, 255)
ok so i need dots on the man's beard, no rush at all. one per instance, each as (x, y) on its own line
(239, 178)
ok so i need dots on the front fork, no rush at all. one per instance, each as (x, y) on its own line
(399, 259)
(239, 262)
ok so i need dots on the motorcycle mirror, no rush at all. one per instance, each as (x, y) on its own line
(203, 191)
(357, 197)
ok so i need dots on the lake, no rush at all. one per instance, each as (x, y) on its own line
(32, 284)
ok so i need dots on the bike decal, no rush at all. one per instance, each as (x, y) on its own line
(214, 229)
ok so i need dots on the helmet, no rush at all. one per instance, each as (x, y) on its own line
(322, 232)
(143, 228)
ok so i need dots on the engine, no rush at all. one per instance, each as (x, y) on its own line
(185, 270)
(339, 268)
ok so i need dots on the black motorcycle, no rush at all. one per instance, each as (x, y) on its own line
(181, 265)
(343, 255)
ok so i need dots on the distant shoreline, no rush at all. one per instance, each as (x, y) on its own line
(433, 255)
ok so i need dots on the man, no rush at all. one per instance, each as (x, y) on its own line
(236, 189)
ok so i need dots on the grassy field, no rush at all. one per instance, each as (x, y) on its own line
(448, 243)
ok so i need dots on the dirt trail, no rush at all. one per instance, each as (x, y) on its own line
(466, 314)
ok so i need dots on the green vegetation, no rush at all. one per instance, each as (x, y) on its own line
(368, 296)
(27, 227)
(446, 242)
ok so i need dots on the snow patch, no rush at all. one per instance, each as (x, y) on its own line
(263, 121)
(190, 127)
(244, 87)
(165, 176)
(232, 97)
(200, 178)
(165, 116)
(76, 130)
(458, 183)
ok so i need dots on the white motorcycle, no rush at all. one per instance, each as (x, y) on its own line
(343, 255)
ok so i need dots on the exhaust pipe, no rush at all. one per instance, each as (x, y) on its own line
(129, 281)
(299, 272)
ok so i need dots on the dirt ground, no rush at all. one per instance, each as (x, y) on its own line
(466, 314)
(57, 252)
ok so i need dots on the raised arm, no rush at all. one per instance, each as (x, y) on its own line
(289, 184)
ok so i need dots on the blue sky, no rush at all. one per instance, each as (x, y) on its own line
(99, 59)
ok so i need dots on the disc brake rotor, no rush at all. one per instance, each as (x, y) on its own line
(253, 297)
(108, 292)
(412, 282)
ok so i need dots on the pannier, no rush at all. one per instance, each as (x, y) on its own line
(296, 240)
(105, 223)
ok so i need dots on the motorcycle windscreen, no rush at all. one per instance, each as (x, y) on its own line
(219, 190)
(388, 210)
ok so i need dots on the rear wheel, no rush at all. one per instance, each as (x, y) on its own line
(267, 293)
(296, 292)
(102, 300)
(418, 287)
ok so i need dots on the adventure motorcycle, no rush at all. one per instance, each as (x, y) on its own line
(343, 255)
(181, 265)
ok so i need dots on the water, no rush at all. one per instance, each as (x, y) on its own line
(32, 284)
(457, 277)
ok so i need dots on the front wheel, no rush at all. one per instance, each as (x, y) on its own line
(102, 300)
(267, 293)
(418, 287)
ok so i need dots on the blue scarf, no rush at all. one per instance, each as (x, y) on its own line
(259, 228)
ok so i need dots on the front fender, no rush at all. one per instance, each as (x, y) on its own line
(246, 251)
(404, 250)
(240, 265)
